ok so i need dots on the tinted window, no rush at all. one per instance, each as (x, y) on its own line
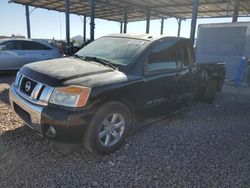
(29, 45)
(119, 51)
(165, 57)
(12, 45)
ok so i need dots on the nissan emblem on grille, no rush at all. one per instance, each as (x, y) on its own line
(27, 86)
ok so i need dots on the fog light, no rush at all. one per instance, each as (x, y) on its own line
(51, 132)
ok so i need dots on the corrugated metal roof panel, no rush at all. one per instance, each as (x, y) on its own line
(114, 10)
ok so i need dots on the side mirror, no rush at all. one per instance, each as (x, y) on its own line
(2, 47)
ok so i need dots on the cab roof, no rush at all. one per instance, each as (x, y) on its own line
(146, 37)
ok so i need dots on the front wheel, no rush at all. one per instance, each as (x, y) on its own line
(108, 128)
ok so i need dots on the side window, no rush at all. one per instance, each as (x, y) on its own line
(9, 45)
(167, 58)
(30, 45)
(12, 45)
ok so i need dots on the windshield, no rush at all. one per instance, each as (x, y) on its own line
(119, 51)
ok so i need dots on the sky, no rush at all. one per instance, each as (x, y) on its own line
(51, 24)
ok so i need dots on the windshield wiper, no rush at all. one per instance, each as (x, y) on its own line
(101, 60)
(96, 59)
(79, 57)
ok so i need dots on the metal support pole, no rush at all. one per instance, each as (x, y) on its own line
(27, 20)
(92, 20)
(67, 27)
(236, 10)
(125, 21)
(148, 22)
(84, 28)
(179, 27)
(121, 27)
(162, 25)
(194, 19)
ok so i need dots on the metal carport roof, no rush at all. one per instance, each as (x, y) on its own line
(125, 11)
(137, 9)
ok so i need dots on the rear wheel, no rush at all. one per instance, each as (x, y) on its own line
(108, 128)
(210, 91)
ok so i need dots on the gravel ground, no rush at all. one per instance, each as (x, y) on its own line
(206, 146)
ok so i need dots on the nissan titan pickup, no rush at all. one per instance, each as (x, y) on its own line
(117, 82)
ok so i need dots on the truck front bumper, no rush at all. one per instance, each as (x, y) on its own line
(57, 124)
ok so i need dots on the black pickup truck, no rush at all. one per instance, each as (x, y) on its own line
(117, 82)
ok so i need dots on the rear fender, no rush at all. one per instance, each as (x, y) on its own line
(208, 75)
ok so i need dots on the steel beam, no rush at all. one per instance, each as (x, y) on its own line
(125, 21)
(28, 20)
(194, 19)
(148, 22)
(162, 26)
(67, 27)
(236, 10)
(92, 20)
(120, 27)
(179, 27)
(84, 28)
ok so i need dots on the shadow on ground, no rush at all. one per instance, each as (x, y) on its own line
(6, 80)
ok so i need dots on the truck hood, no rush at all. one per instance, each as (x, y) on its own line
(72, 71)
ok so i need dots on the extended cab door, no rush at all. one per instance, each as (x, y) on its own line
(162, 72)
(188, 75)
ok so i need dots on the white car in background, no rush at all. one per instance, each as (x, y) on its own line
(14, 52)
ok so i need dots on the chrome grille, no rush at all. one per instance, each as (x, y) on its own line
(27, 86)
(38, 93)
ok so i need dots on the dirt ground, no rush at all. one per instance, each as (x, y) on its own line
(205, 146)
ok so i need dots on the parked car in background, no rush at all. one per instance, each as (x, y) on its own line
(110, 86)
(14, 53)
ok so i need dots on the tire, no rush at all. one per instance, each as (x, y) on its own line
(96, 137)
(210, 91)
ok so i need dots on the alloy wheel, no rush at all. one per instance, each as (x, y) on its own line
(111, 129)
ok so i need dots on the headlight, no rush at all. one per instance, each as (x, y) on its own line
(72, 96)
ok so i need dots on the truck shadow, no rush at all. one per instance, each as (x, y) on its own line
(5, 82)
(29, 143)
(4, 96)
(7, 78)
(32, 143)
(26, 142)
